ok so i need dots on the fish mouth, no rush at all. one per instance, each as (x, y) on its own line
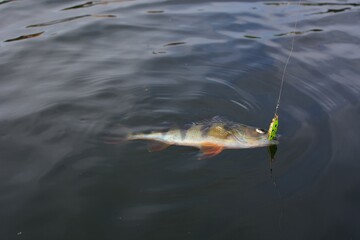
(260, 142)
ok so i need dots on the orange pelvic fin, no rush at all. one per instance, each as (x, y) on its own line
(210, 150)
(155, 146)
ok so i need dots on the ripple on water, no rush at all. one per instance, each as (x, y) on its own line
(89, 75)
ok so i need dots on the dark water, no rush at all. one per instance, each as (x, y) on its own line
(72, 72)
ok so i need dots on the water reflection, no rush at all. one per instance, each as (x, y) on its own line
(6, 1)
(334, 10)
(22, 37)
(272, 151)
(69, 19)
(298, 32)
(93, 3)
(59, 94)
(83, 5)
(158, 52)
(174, 44)
(57, 21)
(155, 11)
(251, 36)
(313, 4)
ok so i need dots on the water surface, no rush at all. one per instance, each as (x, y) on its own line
(73, 72)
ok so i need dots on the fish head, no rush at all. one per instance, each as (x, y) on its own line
(246, 136)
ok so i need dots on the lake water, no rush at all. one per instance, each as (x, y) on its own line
(74, 72)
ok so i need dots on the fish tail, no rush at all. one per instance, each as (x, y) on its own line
(115, 134)
(131, 136)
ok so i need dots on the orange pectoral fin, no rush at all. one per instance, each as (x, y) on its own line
(155, 146)
(209, 150)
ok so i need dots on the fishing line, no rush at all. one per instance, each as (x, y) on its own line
(288, 59)
(275, 121)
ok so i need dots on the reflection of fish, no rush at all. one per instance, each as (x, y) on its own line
(211, 137)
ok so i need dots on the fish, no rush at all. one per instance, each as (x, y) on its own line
(210, 136)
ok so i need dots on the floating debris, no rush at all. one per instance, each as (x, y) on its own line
(24, 37)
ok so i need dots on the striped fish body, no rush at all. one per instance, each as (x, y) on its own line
(211, 137)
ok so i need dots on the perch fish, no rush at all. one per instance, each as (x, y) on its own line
(211, 137)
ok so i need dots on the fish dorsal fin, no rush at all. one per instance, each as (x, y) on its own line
(174, 126)
(219, 119)
(209, 150)
(155, 146)
(216, 119)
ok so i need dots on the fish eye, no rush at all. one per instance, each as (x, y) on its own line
(261, 131)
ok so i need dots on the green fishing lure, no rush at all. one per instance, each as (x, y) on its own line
(273, 128)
